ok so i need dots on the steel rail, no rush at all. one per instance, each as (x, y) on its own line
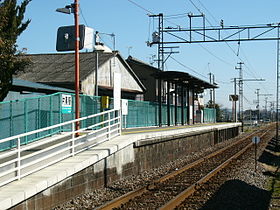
(138, 192)
(175, 202)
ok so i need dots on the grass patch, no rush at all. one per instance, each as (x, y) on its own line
(274, 184)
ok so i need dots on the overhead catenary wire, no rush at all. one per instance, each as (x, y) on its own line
(203, 47)
(180, 63)
(237, 54)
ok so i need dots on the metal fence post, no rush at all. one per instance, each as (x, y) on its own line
(18, 159)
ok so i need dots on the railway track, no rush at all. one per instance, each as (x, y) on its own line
(173, 189)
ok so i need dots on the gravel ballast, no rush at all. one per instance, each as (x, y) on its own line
(244, 176)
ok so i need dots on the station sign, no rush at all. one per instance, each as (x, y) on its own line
(233, 97)
(66, 104)
(124, 107)
(256, 139)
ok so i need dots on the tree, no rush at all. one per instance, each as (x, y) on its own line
(11, 26)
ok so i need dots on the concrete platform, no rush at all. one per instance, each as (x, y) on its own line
(16, 192)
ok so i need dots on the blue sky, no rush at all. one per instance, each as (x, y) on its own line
(133, 28)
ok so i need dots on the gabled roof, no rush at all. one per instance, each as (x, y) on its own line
(23, 85)
(124, 62)
(184, 78)
(60, 67)
(175, 76)
(131, 60)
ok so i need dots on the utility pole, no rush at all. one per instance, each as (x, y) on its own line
(234, 112)
(277, 89)
(211, 92)
(240, 84)
(258, 104)
(241, 90)
(265, 107)
(272, 104)
(265, 101)
(68, 9)
(77, 63)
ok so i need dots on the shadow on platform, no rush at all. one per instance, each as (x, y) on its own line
(236, 194)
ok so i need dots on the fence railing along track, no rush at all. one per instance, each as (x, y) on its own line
(23, 160)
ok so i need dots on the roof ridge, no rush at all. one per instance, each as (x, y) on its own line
(67, 53)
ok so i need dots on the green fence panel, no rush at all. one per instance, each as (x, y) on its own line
(209, 115)
(29, 114)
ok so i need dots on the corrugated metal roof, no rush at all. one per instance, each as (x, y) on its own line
(60, 67)
(24, 85)
(185, 78)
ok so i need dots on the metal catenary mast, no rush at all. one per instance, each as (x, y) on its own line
(222, 33)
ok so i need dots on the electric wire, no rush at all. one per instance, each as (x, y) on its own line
(195, 6)
(208, 11)
(151, 13)
(83, 17)
(237, 54)
(191, 69)
(138, 5)
(253, 74)
(182, 14)
(195, 71)
(149, 29)
(225, 42)
(187, 67)
(208, 51)
(81, 12)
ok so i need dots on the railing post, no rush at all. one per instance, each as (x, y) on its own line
(25, 121)
(11, 124)
(18, 159)
(38, 117)
(73, 139)
(120, 120)
(109, 128)
(51, 115)
(11, 119)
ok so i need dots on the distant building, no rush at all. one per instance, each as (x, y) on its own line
(59, 70)
(179, 89)
(145, 73)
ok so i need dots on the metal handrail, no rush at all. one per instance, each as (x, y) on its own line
(23, 160)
